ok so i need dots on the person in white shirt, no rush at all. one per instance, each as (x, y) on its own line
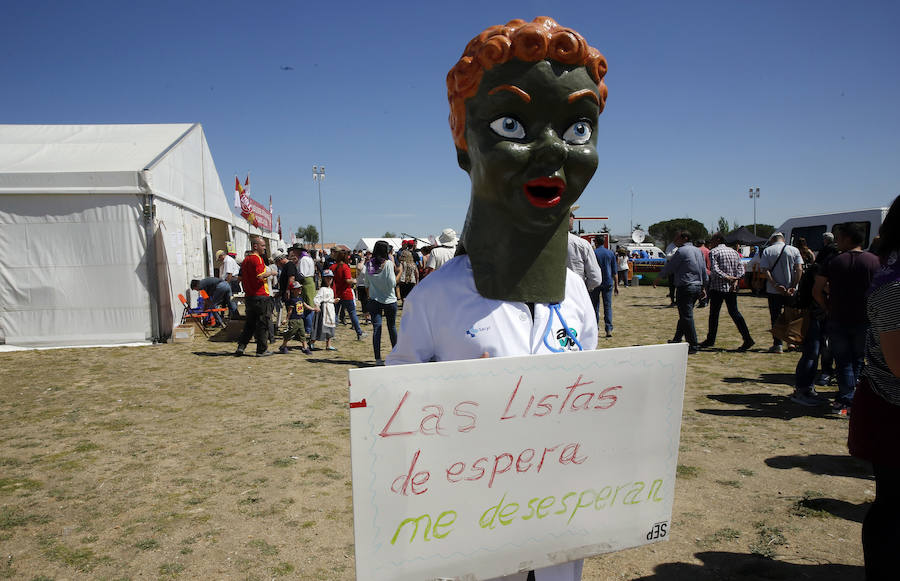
(580, 257)
(444, 252)
(783, 267)
(230, 272)
(524, 132)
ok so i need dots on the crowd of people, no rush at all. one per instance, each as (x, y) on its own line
(507, 277)
(304, 294)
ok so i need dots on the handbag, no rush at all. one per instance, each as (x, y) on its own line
(791, 325)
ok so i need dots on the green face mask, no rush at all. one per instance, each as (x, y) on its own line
(532, 149)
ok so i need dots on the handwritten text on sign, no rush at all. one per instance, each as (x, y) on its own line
(492, 466)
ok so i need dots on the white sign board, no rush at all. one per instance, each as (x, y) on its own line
(481, 468)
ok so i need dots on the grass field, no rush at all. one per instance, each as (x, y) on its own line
(181, 461)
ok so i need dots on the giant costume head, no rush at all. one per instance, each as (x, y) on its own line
(524, 101)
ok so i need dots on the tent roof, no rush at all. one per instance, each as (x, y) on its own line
(369, 243)
(744, 236)
(84, 148)
(170, 160)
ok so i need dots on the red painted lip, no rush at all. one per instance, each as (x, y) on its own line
(544, 192)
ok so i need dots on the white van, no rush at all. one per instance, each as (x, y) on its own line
(812, 227)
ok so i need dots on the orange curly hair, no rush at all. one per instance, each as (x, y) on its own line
(540, 39)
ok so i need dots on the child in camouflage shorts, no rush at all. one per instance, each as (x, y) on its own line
(296, 326)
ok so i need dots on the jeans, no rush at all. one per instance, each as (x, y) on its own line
(623, 277)
(605, 293)
(389, 310)
(259, 314)
(716, 298)
(221, 296)
(308, 317)
(848, 344)
(350, 307)
(805, 374)
(776, 305)
(685, 297)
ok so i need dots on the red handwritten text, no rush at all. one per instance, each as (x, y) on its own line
(569, 400)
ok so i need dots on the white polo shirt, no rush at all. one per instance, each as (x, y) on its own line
(445, 319)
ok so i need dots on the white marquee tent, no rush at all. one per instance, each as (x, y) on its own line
(369, 243)
(102, 226)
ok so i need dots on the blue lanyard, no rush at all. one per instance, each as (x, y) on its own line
(554, 308)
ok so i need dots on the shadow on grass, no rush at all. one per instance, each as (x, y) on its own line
(217, 354)
(839, 508)
(824, 464)
(721, 566)
(766, 405)
(776, 378)
(354, 362)
(656, 306)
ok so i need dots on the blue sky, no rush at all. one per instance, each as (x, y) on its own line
(706, 99)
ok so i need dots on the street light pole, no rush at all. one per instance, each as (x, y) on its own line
(319, 177)
(755, 196)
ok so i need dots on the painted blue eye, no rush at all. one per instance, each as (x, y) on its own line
(508, 127)
(578, 133)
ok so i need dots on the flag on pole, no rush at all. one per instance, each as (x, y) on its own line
(270, 204)
(279, 224)
(237, 193)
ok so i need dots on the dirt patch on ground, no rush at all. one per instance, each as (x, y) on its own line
(181, 461)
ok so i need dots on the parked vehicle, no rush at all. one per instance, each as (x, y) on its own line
(812, 227)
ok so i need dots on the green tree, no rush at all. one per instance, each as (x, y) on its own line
(389, 234)
(762, 230)
(308, 234)
(665, 231)
(723, 226)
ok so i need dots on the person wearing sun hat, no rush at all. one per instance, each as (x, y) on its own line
(580, 257)
(325, 321)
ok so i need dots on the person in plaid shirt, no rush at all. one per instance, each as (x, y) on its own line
(726, 269)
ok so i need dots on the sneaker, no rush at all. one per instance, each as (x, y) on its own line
(307, 351)
(840, 409)
(283, 350)
(265, 353)
(693, 350)
(331, 348)
(746, 345)
(776, 349)
(807, 399)
(824, 379)
(706, 344)
(673, 340)
(240, 350)
(608, 334)
(379, 362)
(359, 336)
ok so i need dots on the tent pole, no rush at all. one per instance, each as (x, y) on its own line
(148, 215)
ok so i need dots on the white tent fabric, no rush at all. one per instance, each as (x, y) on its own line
(369, 243)
(78, 264)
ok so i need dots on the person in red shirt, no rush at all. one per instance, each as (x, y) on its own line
(343, 289)
(257, 301)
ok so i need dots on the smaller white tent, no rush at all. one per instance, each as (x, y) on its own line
(369, 243)
(102, 227)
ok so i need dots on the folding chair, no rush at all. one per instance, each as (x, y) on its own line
(193, 314)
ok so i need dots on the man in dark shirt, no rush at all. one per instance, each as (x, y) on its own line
(219, 293)
(840, 289)
(688, 269)
(610, 284)
(288, 273)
